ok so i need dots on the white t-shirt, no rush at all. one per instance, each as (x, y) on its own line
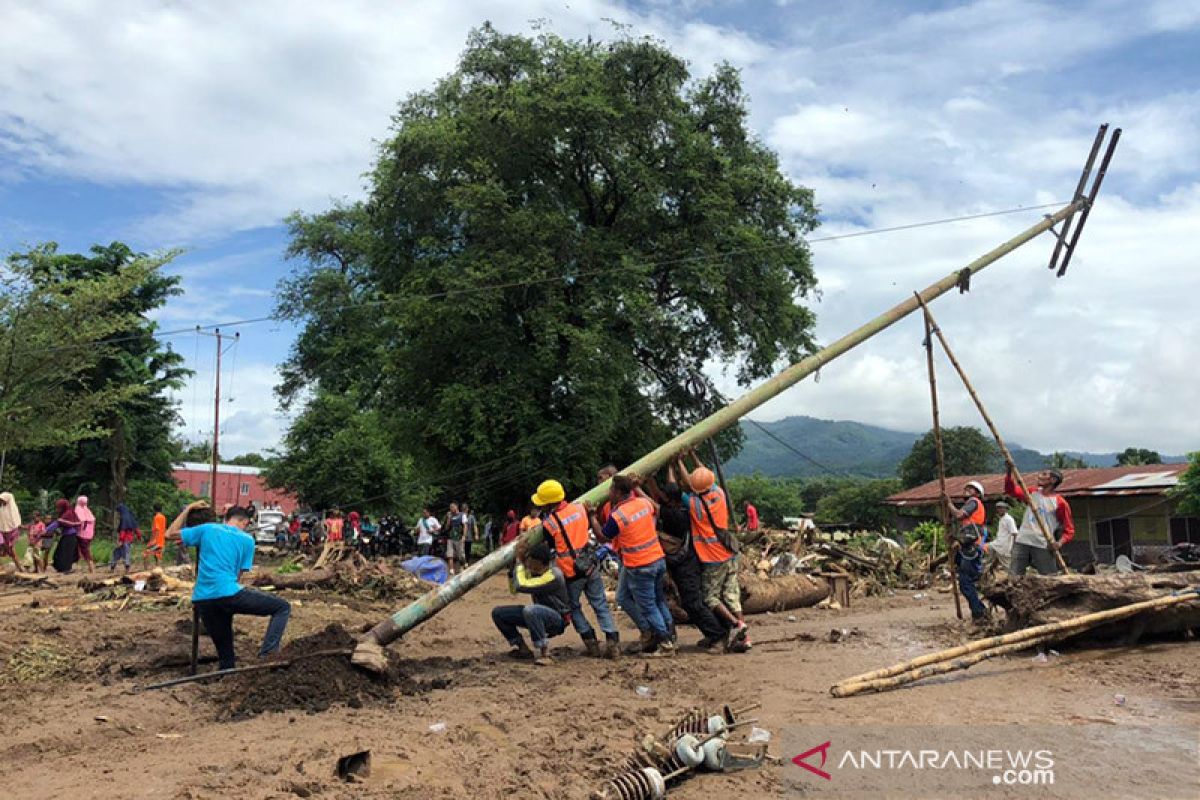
(426, 528)
(1006, 534)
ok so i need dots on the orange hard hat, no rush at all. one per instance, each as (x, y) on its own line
(701, 479)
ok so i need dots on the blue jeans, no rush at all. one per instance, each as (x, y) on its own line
(648, 586)
(593, 587)
(122, 552)
(217, 616)
(542, 623)
(627, 601)
(970, 570)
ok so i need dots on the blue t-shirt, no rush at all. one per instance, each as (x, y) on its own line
(225, 552)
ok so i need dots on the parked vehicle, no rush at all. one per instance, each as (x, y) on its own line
(267, 525)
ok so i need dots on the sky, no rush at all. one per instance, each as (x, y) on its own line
(201, 125)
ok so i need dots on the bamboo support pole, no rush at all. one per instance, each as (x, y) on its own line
(1008, 458)
(1008, 642)
(369, 652)
(941, 467)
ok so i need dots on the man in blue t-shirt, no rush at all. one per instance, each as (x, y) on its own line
(224, 552)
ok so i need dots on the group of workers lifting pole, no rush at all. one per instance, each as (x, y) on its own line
(657, 532)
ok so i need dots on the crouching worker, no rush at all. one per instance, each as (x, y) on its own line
(224, 552)
(549, 613)
(968, 560)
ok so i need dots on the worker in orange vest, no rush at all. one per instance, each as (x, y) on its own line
(568, 526)
(632, 525)
(716, 545)
(625, 599)
(968, 558)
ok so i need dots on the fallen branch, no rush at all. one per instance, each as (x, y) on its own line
(221, 673)
(965, 655)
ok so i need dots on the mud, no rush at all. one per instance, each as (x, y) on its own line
(312, 685)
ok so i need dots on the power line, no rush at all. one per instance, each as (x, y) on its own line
(805, 456)
(468, 290)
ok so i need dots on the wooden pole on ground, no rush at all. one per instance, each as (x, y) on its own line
(1008, 459)
(221, 673)
(917, 668)
(944, 501)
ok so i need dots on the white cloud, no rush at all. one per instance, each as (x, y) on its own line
(250, 421)
(247, 111)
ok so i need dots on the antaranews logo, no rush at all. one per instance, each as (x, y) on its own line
(823, 749)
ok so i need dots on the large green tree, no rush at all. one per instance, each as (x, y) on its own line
(119, 368)
(559, 236)
(967, 451)
(775, 498)
(1188, 490)
(343, 457)
(860, 504)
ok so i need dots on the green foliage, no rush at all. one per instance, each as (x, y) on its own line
(859, 503)
(86, 392)
(1065, 461)
(341, 456)
(774, 498)
(144, 494)
(249, 460)
(198, 452)
(640, 229)
(967, 452)
(1187, 492)
(1137, 456)
(929, 534)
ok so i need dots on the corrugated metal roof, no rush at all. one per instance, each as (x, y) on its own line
(1105, 481)
(222, 469)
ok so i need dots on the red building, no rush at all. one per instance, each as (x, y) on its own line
(238, 485)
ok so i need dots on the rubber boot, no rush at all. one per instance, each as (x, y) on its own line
(645, 641)
(592, 647)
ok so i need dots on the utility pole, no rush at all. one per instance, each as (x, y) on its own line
(212, 486)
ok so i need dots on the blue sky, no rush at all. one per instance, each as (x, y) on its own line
(201, 125)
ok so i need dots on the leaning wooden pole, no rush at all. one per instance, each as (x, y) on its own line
(966, 655)
(987, 418)
(944, 504)
(369, 652)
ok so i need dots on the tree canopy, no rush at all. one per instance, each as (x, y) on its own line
(1187, 492)
(967, 452)
(84, 395)
(1137, 456)
(559, 236)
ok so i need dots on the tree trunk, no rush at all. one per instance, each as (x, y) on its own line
(1038, 600)
(118, 465)
(779, 594)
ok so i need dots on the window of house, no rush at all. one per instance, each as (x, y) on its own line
(1185, 530)
(245, 489)
(204, 488)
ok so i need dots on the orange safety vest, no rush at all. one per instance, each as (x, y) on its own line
(575, 519)
(708, 546)
(637, 534)
(978, 517)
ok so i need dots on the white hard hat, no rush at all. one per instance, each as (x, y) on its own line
(977, 486)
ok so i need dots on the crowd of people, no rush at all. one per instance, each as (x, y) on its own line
(63, 538)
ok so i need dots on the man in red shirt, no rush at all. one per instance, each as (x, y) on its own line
(751, 517)
(1031, 547)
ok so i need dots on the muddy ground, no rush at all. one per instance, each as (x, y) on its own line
(72, 726)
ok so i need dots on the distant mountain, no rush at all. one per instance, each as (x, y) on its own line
(836, 447)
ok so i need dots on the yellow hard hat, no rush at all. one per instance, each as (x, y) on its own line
(548, 493)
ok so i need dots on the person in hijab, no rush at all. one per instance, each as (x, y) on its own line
(66, 525)
(87, 531)
(10, 527)
(127, 531)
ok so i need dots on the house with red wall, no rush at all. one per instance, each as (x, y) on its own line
(235, 484)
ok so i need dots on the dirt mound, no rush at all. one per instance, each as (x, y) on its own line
(313, 684)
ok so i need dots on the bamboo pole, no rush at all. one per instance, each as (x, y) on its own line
(369, 652)
(221, 673)
(1024, 638)
(941, 468)
(1008, 459)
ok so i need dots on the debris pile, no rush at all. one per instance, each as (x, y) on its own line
(356, 577)
(38, 662)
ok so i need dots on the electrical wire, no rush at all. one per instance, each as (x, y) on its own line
(468, 290)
